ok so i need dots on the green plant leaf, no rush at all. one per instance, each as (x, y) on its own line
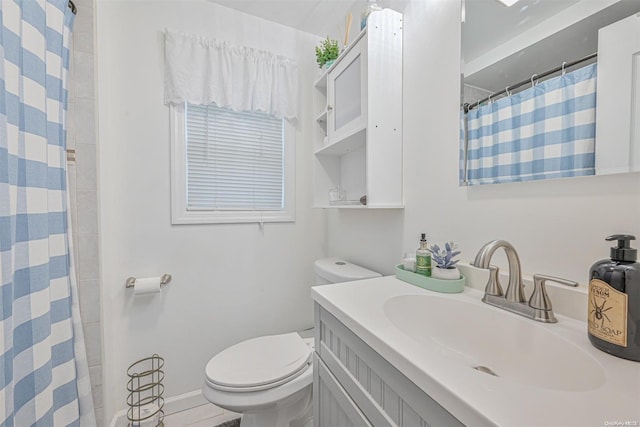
(326, 51)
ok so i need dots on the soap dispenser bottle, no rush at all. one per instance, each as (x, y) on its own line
(614, 301)
(423, 257)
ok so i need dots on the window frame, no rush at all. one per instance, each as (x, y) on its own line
(180, 214)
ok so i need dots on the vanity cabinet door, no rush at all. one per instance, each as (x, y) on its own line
(381, 392)
(331, 404)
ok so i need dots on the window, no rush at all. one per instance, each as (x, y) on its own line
(230, 167)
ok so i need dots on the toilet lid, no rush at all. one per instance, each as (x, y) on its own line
(259, 361)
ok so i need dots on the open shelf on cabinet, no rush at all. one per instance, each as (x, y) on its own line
(322, 117)
(328, 206)
(351, 143)
(321, 82)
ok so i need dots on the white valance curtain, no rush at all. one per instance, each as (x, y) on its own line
(201, 71)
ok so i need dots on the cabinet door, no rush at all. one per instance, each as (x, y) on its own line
(618, 100)
(382, 393)
(332, 405)
(347, 89)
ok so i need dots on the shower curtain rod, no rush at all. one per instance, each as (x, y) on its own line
(467, 107)
(73, 7)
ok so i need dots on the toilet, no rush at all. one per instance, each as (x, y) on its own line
(269, 379)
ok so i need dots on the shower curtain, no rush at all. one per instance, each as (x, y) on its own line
(546, 131)
(43, 373)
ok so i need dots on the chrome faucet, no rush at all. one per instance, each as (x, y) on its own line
(539, 305)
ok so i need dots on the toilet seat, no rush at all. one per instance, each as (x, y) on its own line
(259, 363)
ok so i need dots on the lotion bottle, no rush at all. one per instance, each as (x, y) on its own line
(423, 258)
(614, 301)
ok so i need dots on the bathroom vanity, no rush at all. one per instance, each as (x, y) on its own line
(389, 353)
(355, 386)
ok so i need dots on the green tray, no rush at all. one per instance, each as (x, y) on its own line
(438, 285)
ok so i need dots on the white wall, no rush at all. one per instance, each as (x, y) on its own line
(370, 238)
(558, 227)
(230, 282)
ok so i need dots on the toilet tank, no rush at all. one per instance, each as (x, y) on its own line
(335, 270)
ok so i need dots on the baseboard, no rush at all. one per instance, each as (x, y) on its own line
(173, 404)
(184, 401)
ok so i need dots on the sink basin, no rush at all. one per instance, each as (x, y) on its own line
(495, 342)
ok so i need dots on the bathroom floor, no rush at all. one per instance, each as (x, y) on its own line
(207, 415)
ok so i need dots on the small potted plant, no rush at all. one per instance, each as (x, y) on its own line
(445, 264)
(327, 52)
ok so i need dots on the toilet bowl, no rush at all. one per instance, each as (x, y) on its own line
(269, 379)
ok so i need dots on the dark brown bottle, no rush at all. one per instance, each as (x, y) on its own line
(614, 301)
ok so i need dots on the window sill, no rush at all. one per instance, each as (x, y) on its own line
(230, 217)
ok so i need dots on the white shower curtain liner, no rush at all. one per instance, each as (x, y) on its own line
(202, 71)
(83, 378)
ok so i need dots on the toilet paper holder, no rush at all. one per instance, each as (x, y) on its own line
(164, 279)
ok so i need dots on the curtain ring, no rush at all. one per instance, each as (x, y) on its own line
(490, 100)
(532, 77)
(564, 71)
(507, 91)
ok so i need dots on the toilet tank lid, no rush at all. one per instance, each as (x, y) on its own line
(336, 270)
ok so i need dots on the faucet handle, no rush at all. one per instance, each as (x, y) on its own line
(539, 298)
(493, 284)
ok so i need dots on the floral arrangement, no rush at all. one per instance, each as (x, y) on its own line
(327, 51)
(444, 257)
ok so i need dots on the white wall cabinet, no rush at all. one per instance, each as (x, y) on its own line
(358, 120)
(618, 101)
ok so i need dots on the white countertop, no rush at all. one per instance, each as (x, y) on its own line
(480, 399)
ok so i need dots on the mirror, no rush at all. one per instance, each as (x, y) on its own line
(504, 45)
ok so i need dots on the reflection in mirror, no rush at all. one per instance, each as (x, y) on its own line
(508, 46)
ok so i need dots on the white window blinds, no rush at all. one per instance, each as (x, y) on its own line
(235, 160)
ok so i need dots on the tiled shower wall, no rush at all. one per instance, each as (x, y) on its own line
(81, 136)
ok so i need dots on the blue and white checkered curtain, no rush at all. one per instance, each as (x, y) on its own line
(546, 131)
(38, 373)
